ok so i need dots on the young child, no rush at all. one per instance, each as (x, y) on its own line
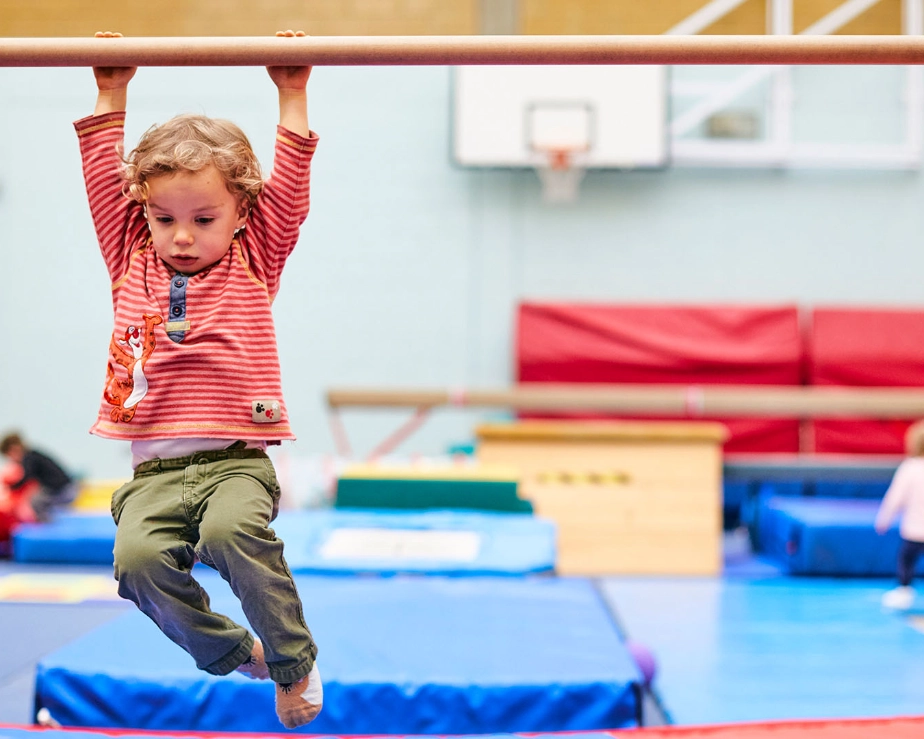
(905, 497)
(195, 242)
(54, 487)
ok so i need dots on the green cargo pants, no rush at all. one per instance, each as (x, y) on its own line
(215, 506)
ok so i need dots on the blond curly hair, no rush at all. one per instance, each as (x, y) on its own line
(914, 440)
(190, 143)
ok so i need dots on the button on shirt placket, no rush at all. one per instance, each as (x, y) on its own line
(177, 307)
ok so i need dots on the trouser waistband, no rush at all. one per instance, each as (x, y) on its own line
(153, 466)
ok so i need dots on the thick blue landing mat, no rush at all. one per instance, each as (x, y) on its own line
(825, 536)
(415, 655)
(34, 732)
(70, 539)
(772, 649)
(891, 728)
(388, 542)
(344, 542)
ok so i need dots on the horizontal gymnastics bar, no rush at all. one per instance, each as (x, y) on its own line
(667, 400)
(458, 50)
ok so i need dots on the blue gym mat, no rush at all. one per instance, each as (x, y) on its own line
(825, 536)
(891, 728)
(775, 649)
(402, 655)
(34, 732)
(745, 477)
(383, 542)
(71, 538)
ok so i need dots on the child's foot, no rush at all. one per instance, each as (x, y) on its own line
(255, 665)
(300, 702)
(44, 718)
(899, 599)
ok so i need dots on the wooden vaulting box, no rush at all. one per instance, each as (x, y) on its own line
(635, 497)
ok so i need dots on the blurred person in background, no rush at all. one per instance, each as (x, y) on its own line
(36, 478)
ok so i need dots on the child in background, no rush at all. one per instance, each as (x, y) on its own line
(905, 497)
(195, 241)
(54, 488)
(14, 506)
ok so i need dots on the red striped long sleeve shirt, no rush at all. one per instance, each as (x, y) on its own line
(223, 379)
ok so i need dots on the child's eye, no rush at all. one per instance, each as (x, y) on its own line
(204, 220)
(163, 219)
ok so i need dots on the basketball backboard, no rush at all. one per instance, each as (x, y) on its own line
(519, 116)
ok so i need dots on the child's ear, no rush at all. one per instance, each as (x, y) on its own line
(243, 211)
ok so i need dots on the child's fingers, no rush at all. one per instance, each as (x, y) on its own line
(108, 34)
(290, 33)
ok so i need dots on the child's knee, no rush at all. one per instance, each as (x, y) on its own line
(224, 547)
(138, 556)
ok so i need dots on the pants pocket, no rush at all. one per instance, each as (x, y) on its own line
(118, 501)
(271, 484)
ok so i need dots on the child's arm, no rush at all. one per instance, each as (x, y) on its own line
(293, 97)
(119, 221)
(894, 500)
(111, 83)
(273, 224)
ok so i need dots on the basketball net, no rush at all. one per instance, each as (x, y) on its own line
(560, 174)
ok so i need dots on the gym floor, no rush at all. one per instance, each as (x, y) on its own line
(753, 645)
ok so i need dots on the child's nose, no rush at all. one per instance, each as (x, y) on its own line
(182, 236)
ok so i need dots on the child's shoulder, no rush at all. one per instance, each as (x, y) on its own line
(913, 465)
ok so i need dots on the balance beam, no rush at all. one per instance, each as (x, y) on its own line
(777, 401)
(686, 401)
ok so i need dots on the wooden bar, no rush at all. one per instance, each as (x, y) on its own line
(459, 50)
(688, 401)
(569, 432)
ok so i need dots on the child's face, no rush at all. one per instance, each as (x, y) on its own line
(192, 217)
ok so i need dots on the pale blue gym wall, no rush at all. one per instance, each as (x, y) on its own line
(409, 268)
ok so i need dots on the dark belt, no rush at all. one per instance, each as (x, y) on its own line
(181, 463)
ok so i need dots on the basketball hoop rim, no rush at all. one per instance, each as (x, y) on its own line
(559, 158)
